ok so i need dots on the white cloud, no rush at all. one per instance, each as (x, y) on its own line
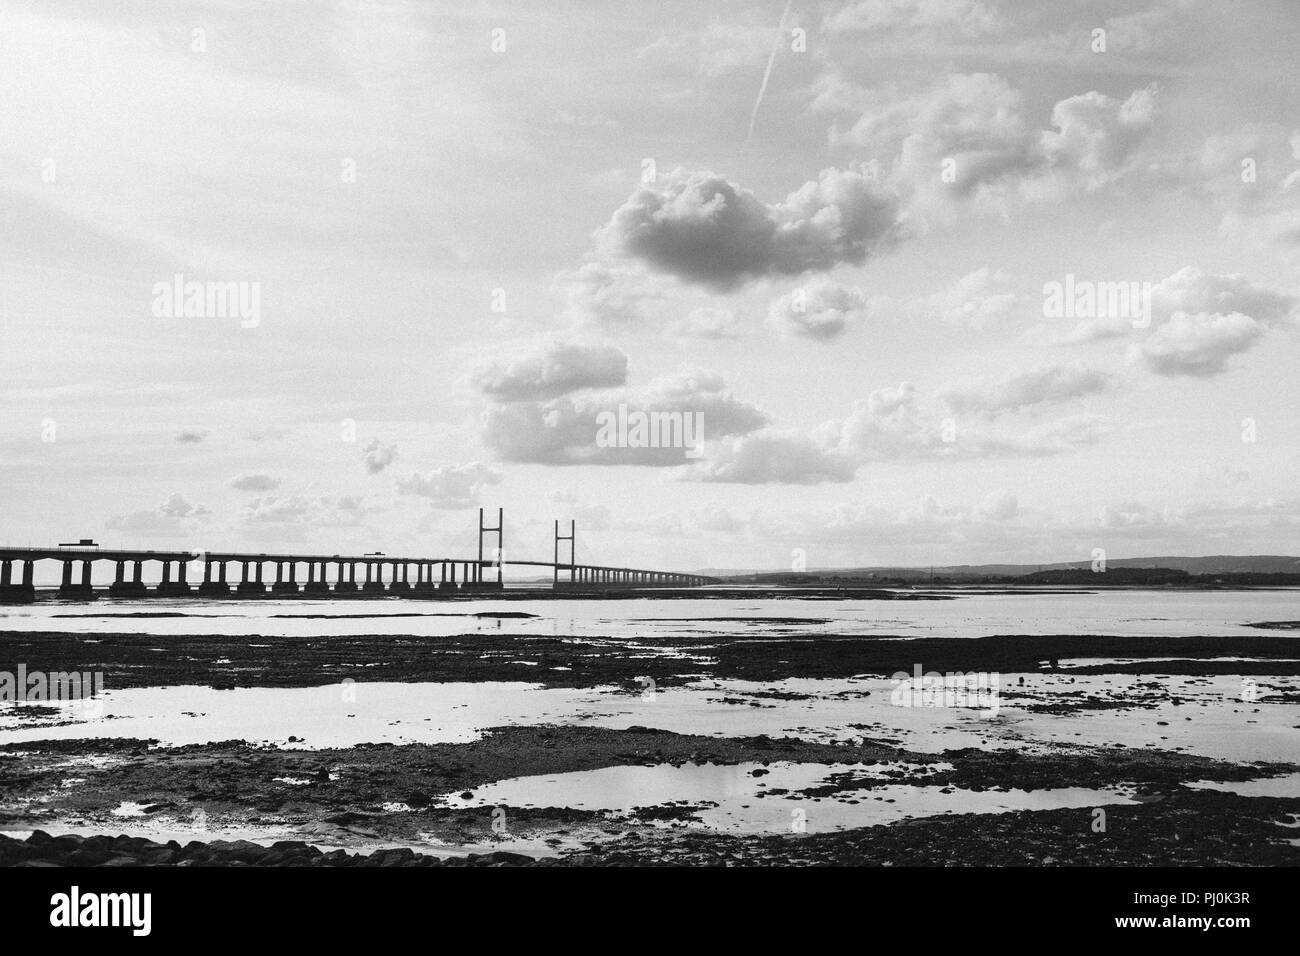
(451, 486)
(968, 136)
(1197, 344)
(604, 294)
(556, 370)
(1040, 386)
(709, 322)
(968, 17)
(564, 431)
(771, 457)
(175, 517)
(819, 311)
(305, 510)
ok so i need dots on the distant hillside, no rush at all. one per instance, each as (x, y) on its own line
(1208, 565)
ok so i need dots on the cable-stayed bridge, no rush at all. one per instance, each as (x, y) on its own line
(234, 573)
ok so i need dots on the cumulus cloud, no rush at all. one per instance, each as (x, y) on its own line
(979, 299)
(968, 17)
(1199, 321)
(703, 229)
(893, 424)
(819, 311)
(304, 510)
(175, 517)
(377, 455)
(254, 483)
(1096, 134)
(772, 457)
(968, 136)
(605, 294)
(708, 322)
(1041, 386)
(1194, 290)
(564, 431)
(451, 486)
(1197, 344)
(556, 370)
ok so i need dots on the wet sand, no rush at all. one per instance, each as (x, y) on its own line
(415, 803)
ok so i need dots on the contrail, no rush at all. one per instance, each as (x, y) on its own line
(771, 59)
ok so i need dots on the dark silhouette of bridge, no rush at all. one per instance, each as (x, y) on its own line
(353, 574)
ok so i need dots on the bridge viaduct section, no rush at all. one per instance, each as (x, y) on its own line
(242, 574)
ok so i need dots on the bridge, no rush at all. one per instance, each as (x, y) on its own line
(407, 576)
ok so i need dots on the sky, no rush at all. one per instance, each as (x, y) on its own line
(872, 250)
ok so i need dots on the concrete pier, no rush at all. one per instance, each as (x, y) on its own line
(251, 583)
(214, 587)
(134, 587)
(285, 583)
(316, 582)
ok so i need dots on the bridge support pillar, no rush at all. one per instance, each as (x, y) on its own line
(285, 583)
(121, 587)
(374, 584)
(424, 585)
(82, 589)
(179, 586)
(10, 593)
(346, 581)
(314, 584)
(209, 587)
(401, 583)
(251, 585)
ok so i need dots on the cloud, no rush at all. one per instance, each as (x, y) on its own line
(771, 457)
(820, 311)
(968, 136)
(557, 370)
(175, 517)
(192, 437)
(708, 322)
(304, 510)
(1194, 290)
(451, 486)
(1197, 344)
(1041, 386)
(564, 431)
(1096, 134)
(891, 424)
(605, 294)
(703, 229)
(1199, 320)
(999, 506)
(968, 17)
(254, 483)
(378, 456)
(979, 299)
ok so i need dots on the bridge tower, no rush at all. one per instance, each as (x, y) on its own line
(572, 557)
(482, 530)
